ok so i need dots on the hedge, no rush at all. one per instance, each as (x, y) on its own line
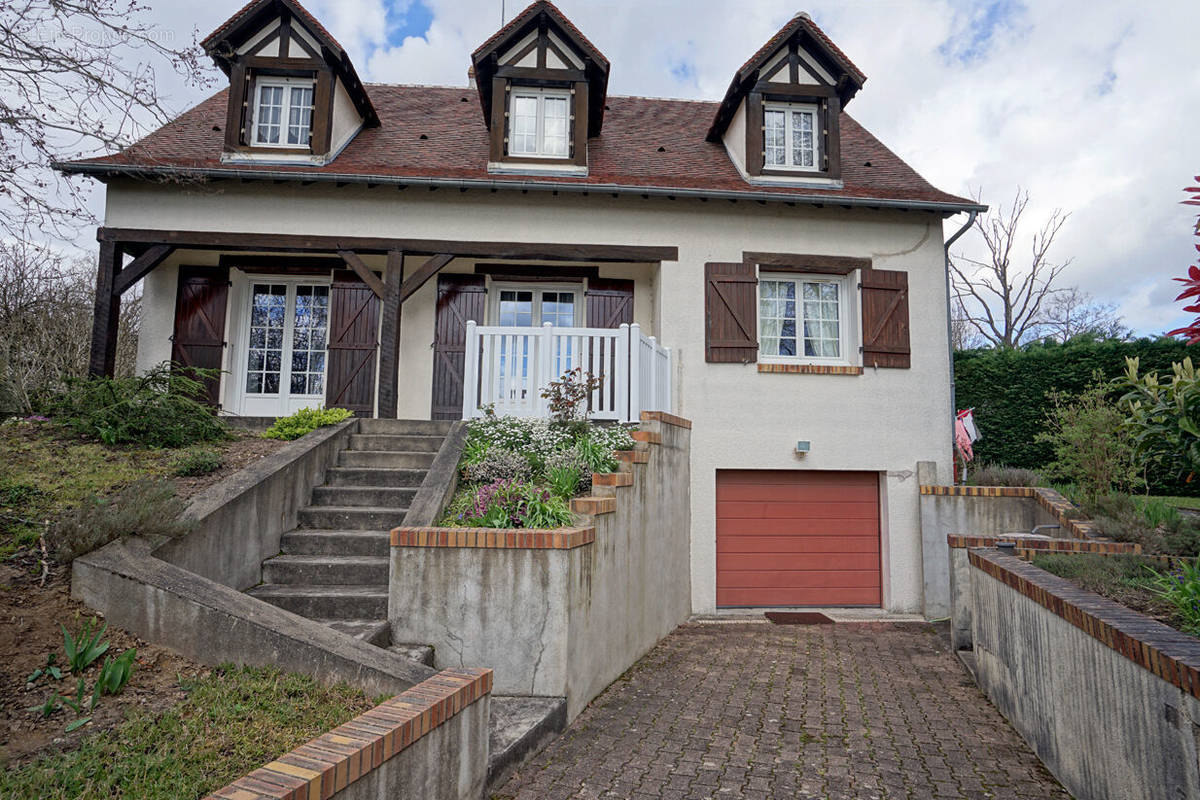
(1008, 388)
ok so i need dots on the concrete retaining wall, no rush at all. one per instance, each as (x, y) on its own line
(1106, 697)
(240, 520)
(430, 742)
(558, 616)
(985, 511)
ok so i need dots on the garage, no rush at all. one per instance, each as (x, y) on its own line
(797, 538)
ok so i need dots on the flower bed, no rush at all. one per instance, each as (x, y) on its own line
(522, 473)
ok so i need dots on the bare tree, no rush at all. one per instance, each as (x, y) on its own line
(1003, 301)
(46, 323)
(963, 335)
(1072, 312)
(75, 79)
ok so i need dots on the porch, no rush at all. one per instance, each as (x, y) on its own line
(390, 328)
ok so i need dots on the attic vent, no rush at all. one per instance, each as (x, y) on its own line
(423, 137)
(463, 100)
(662, 149)
(867, 164)
(216, 128)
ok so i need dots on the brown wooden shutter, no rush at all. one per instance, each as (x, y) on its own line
(885, 319)
(460, 298)
(730, 313)
(609, 303)
(353, 344)
(199, 338)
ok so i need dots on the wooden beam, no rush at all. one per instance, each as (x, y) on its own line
(298, 243)
(140, 267)
(807, 262)
(389, 337)
(363, 272)
(430, 268)
(282, 264)
(107, 313)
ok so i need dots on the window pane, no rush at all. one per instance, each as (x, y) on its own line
(300, 115)
(266, 338)
(523, 130)
(554, 134)
(777, 320)
(268, 114)
(775, 138)
(309, 334)
(516, 308)
(802, 138)
(558, 308)
(822, 328)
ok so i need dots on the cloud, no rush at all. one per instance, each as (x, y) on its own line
(1092, 105)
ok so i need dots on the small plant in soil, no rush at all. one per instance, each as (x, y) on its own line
(197, 462)
(49, 671)
(84, 649)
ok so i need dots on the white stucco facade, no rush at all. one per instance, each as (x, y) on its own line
(885, 420)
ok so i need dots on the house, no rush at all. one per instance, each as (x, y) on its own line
(761, 265)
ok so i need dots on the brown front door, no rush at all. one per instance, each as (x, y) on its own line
(460, 298)
(199, 338)
(353, 344)
(797, 538)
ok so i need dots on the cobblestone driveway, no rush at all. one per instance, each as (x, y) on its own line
(856, 711)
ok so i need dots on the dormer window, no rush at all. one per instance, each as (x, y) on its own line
(790, 138)
(540, 123)
(283, 113)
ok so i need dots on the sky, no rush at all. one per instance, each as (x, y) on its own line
(1093, 106)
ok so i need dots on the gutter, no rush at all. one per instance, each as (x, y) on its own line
(972, 214)
(464, 184)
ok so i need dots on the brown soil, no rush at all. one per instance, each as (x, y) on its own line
(30, 616)
(237, 453)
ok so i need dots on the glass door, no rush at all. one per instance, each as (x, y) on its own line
(522, 307)
(287, 332)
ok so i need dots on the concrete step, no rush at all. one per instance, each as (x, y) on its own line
(518, 729)
(326, 602)
(326, 570)
(385, 458)
(373, 476)
(335, 543)
(411, 443)
(404, 427)
(351, 518)
(376, 496)
(377, 632)
(421, 653)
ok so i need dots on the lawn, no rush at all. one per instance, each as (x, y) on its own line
(231, 721)
(1192, 503)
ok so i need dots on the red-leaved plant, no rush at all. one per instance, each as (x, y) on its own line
(1192, 281)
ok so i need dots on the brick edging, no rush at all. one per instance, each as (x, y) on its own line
(494, 538)
(809, 369)
(666, 419)
(1170, 654)
(334, 760)
(1024, 543)
(978, 491)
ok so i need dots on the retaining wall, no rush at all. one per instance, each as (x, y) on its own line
(428, 742)
(564, 612)
(1108, 699)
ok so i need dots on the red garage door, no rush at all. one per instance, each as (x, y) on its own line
(796, 538)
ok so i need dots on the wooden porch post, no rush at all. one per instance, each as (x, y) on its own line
(107, 314)
(389, 336)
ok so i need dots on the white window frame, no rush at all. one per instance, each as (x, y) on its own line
(540, 95)
(848, 303)
(287, 84)
(789, 133)
(538, 289)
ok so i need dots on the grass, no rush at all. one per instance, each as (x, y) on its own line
(1124, 579)
(45, 472)
(232, 721)
(1180, 502)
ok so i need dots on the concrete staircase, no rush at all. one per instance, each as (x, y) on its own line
(333, 568)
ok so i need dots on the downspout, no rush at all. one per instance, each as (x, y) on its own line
(950, 331)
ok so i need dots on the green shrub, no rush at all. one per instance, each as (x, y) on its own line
(995, 475)
(162, 408)
(1008, 388)
(1164, 417)
(1181, 588)
(1091, 446)
(197, 462)
(1150, 522)
(147, 507)
(306, 420)
(562, 481)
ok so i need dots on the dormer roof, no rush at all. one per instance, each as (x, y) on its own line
(799, 34)
(223, 44)
(539, 17)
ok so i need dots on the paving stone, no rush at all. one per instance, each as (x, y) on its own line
(861, 711)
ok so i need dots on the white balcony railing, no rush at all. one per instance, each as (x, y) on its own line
(507, 368)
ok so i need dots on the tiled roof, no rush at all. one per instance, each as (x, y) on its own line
(438, 133)
(523, 17)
